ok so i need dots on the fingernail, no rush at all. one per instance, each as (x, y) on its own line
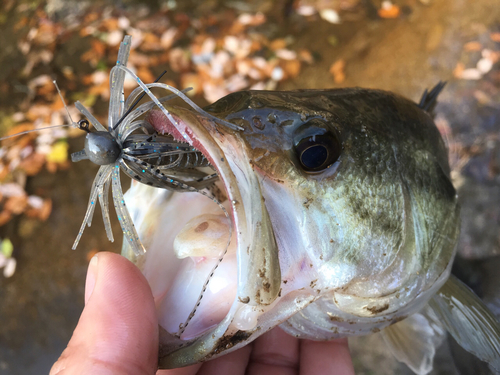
(91, 277)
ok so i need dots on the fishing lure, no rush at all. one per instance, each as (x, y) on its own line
(130, 144)
(149, 158)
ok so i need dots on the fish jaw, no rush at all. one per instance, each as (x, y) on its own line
(257, 305)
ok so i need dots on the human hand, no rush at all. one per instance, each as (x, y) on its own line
(118, 335)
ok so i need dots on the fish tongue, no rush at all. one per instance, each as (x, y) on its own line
(203, 236)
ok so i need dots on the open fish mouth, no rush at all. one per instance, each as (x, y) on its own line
(210, 295)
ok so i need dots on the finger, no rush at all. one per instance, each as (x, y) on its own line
(234, 363)
(118, 329)
(276, 353)
(325, 357)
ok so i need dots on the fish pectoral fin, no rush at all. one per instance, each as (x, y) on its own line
(468, 320)
(414, 340)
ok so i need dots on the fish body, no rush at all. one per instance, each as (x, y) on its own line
(345, 223)
(330, 213)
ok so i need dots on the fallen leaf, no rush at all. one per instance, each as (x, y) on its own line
(292, 68)
(191, 80)
(16, 204)
(459, 68)
(5, 217)
(473, 46)
(389, 10)
(277, 44)
(306, 56)
(46, 209)
(495, 37)
(337, 71)
(32, 164)
(145, 74)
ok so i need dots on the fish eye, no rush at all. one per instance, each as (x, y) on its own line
(318, 152)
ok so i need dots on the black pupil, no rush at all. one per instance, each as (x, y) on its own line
(314, 156)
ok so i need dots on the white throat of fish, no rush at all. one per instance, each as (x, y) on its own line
(199, 286)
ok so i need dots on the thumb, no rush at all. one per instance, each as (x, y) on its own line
(118, 330)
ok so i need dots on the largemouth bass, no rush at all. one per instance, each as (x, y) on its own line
(331, 214)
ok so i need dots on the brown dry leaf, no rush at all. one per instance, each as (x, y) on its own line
(109, 24)
(236, 29)
(96, 52)
(20, 128)
(57, 103)
(38, 111)
(91, 17)
(179, 60)
(32, 164)
(473, 46)
(277, 44)
(164, 58)
(102, 90)
(145, 74)
(337, 71)
(16, 204)
(255, 46)
(306, 56)
(495, 37)
(140, 59)
(191, 80)
(5, 217)
(150, 42)
(252, 19)
(47, 89)
(46, 209)
(87, 80)
(204, 72)
(459, 68)
(21, 141)
(291, 68)
(47, 34)
(154, 60)
(391, 11)
(4, 172)
(51, 167)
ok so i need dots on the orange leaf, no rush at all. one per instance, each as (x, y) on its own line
(32, 164)
(5, 217)
(278, 44)
(16, 204)
(337, 70)
(145, 75)
(391, 11)
(110, 24)
(459, 68)
(495, 37)
(473, 46)
(291, 68)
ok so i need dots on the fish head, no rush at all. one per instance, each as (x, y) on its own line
(340, 208)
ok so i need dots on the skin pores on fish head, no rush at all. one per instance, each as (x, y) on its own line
(375, 226)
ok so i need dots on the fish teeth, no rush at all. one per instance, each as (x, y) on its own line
(203, 236)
